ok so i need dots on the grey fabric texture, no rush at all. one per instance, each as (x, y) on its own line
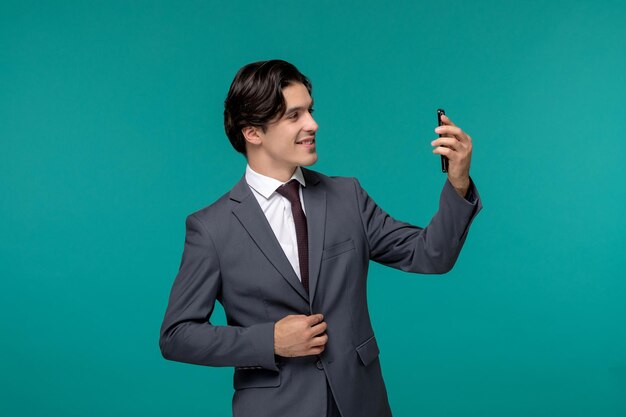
(232, 255)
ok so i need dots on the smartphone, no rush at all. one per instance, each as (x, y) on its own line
(444, 159)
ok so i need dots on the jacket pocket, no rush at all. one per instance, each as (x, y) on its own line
(337, 249)
(368, 351)
(255, 378)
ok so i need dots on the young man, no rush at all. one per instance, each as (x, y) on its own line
(286, 253)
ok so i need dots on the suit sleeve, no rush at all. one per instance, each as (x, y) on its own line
(187, 334)
(433, 249)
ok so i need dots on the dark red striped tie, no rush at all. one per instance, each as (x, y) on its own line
(291, 191)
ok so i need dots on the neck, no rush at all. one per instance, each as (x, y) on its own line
(282, 174)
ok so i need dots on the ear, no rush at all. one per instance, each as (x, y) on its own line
(252, 134)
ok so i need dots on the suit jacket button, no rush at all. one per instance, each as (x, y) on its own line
(319, 365)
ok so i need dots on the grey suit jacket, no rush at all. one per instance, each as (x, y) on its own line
(232, 255)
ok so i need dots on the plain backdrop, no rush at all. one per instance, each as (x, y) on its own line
(111, 133)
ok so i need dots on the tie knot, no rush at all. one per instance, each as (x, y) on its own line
(290, 191)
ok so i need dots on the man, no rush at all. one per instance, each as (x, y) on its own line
(286, 253)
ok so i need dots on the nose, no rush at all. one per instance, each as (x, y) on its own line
(311, 124)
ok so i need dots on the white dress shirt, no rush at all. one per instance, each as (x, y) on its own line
(277, 210)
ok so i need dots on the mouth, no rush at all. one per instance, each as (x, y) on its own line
(308, 142)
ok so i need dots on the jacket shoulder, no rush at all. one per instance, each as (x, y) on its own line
(213, 210)
(330, 181)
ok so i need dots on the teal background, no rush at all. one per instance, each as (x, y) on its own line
(111, 132)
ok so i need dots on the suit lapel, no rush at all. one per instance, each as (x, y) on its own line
(315, 205)
(251, 217)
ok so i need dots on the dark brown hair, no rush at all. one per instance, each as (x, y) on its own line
(256, 97)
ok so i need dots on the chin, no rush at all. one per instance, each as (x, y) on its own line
(309, 161)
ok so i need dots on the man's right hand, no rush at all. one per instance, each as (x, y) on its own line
(300, 335)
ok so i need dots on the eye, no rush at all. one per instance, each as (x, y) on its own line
(292, 116)
(311, 110)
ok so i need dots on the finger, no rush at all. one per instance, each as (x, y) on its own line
(442, 150)
(453, 131)
(315, 319)
(315, 351)
(449, 130)
(446, 120)
(319, 341)
(319, 328)
(449, 142)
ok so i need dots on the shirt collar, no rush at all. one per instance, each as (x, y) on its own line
(267, 185)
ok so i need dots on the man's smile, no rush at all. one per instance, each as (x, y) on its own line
(308, 142)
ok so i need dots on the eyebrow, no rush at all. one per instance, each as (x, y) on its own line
(299, 108)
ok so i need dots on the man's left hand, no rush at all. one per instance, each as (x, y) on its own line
(457, 146)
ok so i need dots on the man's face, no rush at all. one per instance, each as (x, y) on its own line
(289, 141)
